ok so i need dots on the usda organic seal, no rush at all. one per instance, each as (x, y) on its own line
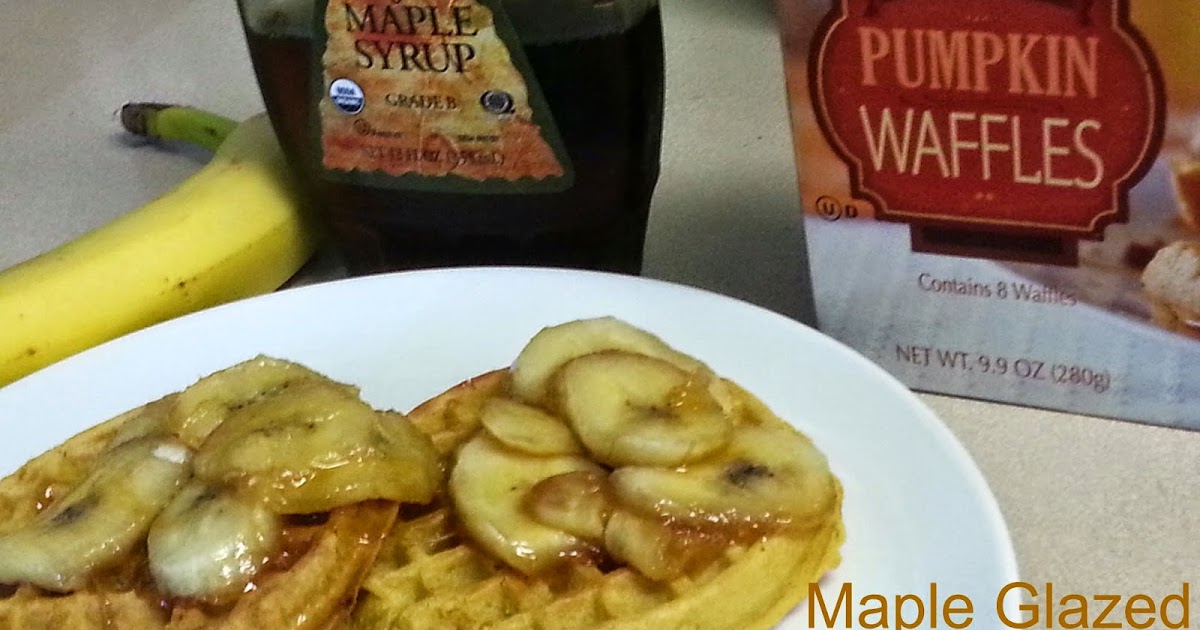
(347, 96)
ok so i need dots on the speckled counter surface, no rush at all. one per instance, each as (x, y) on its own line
(1094, 506)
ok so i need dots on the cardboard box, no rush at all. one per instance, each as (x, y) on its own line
(1002, 197)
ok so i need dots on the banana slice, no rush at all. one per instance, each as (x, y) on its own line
(767, 476)
(96, 524)
(192, 414)
(576, 502)
(527, 429)
(209, 544)
(489, 484)
(630, 409)
(199, 409)
(657, 549)
(146, 421)
(552, 347)
(317, 446)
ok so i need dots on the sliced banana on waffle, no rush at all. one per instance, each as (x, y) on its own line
(208, 543)
(766, 476)
(578, 503)
(631, 409)
(661, 550)
(201, 408)
(179, 512)
(98, 523)
(194, 413)
(552, 347)
(490, 484)
(527, 429)
(317, 448)
(686, 463)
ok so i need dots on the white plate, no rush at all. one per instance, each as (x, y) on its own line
(917, 509)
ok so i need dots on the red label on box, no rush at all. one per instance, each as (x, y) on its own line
(1024, 117)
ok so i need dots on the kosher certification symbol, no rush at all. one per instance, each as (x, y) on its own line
(347, 96)
(497, 102)
(830, 209)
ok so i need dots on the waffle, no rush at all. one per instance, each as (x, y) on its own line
(1172, 281)
(430, 576)
(376, 564)
(313, 588)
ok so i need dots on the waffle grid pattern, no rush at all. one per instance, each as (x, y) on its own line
(427, 578)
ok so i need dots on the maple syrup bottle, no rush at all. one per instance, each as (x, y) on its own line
(469, 132)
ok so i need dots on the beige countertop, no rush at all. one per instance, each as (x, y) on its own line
(1094, 506)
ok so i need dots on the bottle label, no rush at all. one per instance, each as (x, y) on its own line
(432, 95)
(1027, 118)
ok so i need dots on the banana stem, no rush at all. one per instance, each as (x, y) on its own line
(178, 123)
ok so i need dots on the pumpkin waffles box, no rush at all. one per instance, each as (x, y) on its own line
(1002, 197)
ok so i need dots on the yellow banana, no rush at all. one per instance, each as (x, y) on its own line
(238, 227)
